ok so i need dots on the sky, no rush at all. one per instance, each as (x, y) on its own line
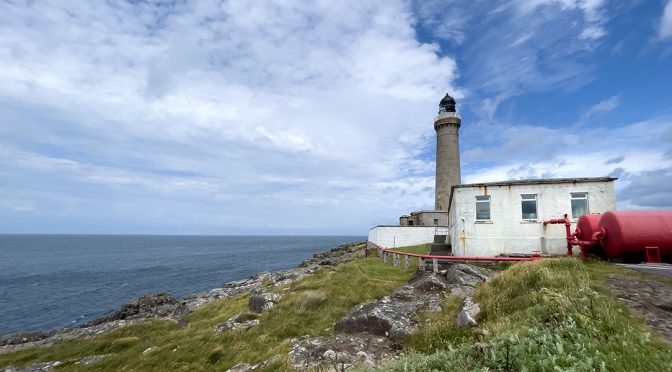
(296, 117)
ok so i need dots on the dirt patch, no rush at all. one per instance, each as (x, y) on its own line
(650, 298)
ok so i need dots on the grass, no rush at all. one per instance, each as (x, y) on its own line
(417, 249)
(554, 314)
(310, 306)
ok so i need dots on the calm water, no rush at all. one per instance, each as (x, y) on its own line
(51, 281)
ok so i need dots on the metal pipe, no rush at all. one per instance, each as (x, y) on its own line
(570, 238)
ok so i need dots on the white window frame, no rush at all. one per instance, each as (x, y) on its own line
(487, 200)
(528, 198)
(572, 198)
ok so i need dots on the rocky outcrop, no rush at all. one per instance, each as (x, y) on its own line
(338, 352)
(148, 306)
(37, 367)
(467, 275)
(393, 316)
(463, 278)
(50, 366)
(336, 256)
(468, 313)
(20, 338)
(261, 300)
(238, 321)
(368, 333)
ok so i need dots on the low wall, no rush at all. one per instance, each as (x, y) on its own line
(403, 236)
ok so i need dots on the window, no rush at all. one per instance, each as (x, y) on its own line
(436, 222)
(529, 206)
(482, 207)
(579, 204)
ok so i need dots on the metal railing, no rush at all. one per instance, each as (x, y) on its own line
(384, 254)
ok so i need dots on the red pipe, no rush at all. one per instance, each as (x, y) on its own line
(571, 239)
(594, 239)
(535, 256)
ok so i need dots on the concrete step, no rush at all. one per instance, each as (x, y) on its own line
(441, 249)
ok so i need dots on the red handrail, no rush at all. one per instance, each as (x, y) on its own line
(535, 256)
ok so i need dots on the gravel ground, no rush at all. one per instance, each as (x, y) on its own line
(650, 298)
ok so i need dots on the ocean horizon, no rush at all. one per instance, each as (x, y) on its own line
(50, 281)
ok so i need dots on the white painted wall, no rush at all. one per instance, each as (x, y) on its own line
(506, 232)
(403, 236)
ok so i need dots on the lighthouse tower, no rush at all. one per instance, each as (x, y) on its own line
(447, 125)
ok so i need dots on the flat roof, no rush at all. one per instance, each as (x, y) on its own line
(428, 211)
(538, 181)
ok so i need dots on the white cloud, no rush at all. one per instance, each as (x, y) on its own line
(592, 33)
(603, 107)
(519, 47)
(665, 29)
(631, 152)
(218, 109)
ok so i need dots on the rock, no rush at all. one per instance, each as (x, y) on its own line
(649, 298)
(322, 353)
(91, 359)
(336, 256)
(329, 355)
(19, 338)
(148, 306)
(467, 316)
(467, 275)
(261, 300)
(149, 350)
(37, 367)
(405, 293)
(242, 368)
(66, 334)
(392, 318)
(429, 283)
(238, 321)
(461, 292)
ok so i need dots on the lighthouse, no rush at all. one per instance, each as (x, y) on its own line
(447, 126)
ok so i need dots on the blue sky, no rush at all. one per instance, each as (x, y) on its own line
(294, 117)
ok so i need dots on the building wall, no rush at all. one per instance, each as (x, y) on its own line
(403, 236)
(506, 232)
(426, 218)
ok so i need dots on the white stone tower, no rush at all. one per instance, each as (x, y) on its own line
(447, 125)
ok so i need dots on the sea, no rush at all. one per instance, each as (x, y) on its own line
(55, 281)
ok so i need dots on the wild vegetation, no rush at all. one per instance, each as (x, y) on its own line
(554, 314)
(547, 315)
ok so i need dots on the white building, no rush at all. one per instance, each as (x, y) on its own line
(490, 219)
(497, 218)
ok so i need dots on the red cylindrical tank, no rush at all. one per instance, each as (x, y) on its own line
(585, 228)
(587, 225)
(629, 232)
